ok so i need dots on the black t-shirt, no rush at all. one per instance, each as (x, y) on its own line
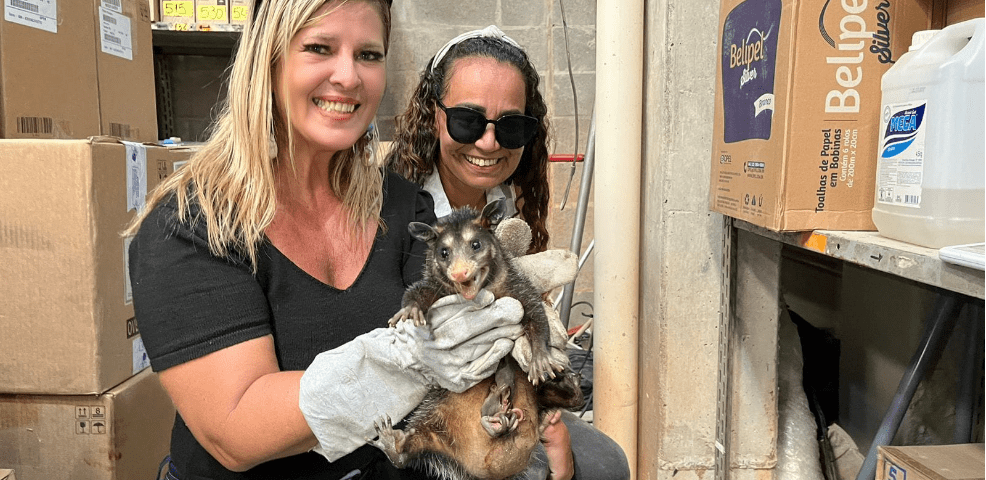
(189, 303)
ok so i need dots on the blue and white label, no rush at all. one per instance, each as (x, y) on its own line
(136, 175)
(901, 162)
(749, 56)
(140, 358)
(896, 473)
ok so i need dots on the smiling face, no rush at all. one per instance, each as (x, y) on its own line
(494, 89)
(332, 77)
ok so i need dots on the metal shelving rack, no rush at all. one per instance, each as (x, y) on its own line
(751, 296)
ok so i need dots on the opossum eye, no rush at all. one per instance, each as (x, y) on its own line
(444, 253)
(476, 245)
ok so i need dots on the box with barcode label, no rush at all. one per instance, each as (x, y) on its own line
(125, 67)
(66, 310)
(931, 462)
(122, 434)
(49, 70)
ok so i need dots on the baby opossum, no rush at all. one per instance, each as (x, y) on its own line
(443, 433)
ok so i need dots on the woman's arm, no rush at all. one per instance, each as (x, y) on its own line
(239, 406)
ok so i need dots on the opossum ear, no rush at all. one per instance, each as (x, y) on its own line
(494, 212)
(422, 231)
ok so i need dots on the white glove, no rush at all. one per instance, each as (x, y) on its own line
(557, 342)
(546, 270)
(388, 371)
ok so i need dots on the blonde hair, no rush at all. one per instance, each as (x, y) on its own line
(232, 176)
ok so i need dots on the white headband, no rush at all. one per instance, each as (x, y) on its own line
(491, 32)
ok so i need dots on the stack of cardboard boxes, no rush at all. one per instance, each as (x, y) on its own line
(77, 156)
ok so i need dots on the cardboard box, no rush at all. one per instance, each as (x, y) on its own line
(6, 474)
(180, 12)
(120, 435)
(48, 70)
(797, 108)
(66, 314)
(211, 13)
(957, 11)
(931, 462)
(125, 68)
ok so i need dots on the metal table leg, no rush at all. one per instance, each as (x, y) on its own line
(944, 316)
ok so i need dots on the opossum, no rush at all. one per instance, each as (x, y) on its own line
(444, 434)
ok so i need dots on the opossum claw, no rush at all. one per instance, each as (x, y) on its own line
(409, 312)
(390, 441)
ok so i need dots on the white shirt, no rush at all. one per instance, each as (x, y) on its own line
(433, 185)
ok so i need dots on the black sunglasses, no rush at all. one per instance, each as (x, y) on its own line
(466, 126)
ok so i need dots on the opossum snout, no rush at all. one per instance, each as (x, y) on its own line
(461, 271)
(468, 277)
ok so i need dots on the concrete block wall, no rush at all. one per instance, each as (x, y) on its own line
(421, 28)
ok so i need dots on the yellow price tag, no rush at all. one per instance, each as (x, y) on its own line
(240, 14)
(181, 27)
(211, 12)
(178, 8)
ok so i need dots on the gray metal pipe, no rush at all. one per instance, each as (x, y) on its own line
(580, 213)
(945, 313)
(972, 364)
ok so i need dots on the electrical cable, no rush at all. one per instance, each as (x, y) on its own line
(575, 100)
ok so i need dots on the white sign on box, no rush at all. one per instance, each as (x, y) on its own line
(114, 34)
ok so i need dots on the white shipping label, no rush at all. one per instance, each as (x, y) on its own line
(136, 175)
(114, 34)
(40, 14)
(128, 291)
(115, 5)
(901, 157)
(140, 356)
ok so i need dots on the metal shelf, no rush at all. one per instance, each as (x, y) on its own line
(194, 41)
(870, 249)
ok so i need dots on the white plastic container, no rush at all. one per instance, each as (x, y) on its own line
(931, 168)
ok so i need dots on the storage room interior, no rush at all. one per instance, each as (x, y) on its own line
(718, 342)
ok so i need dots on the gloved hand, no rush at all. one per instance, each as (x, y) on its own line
(388, 371)
(546, 271)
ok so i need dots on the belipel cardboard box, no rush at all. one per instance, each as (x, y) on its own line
(122, 434)
(797, 108)
(66, 314)
(931, 462)
(48, 70)
(125, 68)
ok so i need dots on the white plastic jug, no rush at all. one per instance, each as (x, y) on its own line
(931, 160)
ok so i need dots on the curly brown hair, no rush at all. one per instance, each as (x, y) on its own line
(415, 150)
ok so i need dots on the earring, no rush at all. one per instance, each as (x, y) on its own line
(372, 155)
(271, 146)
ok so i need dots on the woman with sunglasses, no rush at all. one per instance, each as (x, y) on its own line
(475, 131)
(264, 271)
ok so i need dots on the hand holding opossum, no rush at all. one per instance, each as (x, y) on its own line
(444, 434)
(388, 371)
(464, 257)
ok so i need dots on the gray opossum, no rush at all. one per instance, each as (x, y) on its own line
(444, 434)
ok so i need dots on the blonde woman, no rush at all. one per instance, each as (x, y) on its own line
(264, 271)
